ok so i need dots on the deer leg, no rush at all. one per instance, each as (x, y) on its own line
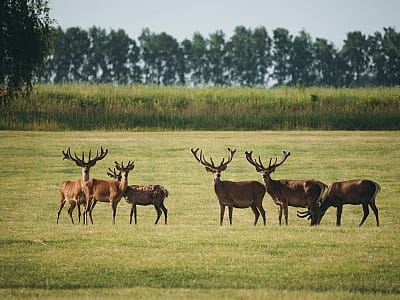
(366, 212)
(221, 218)
(133, 212)
(62, 203)
(114, 211)
(262, 211)
(230, 209)
(375, 210)
(285, 211)
(256, 213)
(79, 213)
(280, 214)
(70, 210)
(339, 214)
(159, 213)
(165, 210)
(92, 205)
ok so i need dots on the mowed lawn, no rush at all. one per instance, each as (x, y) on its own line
(193, 256)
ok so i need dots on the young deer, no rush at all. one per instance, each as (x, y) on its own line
(242, 194)
(354, 192)
(71, 190)
(106, 191)
(284, 193)
(152, 194)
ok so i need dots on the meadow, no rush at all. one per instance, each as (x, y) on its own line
(193, 257)
(146, 107)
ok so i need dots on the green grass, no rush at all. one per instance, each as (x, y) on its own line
(192, 256)
(142, 107)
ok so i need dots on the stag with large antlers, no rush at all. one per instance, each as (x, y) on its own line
(284, 193)
(106, 191)
(152, 194)
(242, 194)
(71, 190)
(355, 192)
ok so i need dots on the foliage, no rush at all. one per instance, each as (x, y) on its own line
(193, 257)
(150, 107)
(25, 41)
(248, 58)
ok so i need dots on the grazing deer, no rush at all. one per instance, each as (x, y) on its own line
(284, 193)
(152, 194)
(71, 190)
(242, 194)
(106, 191)
(354, 192)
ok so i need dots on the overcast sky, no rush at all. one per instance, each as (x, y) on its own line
(329, 19)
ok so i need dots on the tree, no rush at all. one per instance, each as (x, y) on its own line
(301, 60)
(385, 55)
(217, 58)
(160, 54)
(25, 42)
(355, 54)
(281, 55)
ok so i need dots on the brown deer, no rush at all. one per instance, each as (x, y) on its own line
(242, 194)
(284, 193)
(354, 192)
(71, 190)
(106, 191)
(153, 194)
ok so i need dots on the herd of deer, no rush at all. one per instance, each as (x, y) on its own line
(313, 195)
(88, 192)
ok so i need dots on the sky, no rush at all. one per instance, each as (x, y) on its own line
(329, 19)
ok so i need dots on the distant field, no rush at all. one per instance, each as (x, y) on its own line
(146, 107)
(193, 257)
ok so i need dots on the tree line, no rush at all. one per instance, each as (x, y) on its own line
(250, 57)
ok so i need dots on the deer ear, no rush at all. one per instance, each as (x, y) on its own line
(223, 168)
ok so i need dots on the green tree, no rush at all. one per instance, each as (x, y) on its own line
(118, 49)
(327, 63)
(385, 54)
(356, 56)
(282, 44)
(301, 60)
(161, 57)
(25, 42)
(217, 59)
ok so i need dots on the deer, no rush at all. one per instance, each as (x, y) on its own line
(71, 190)
(242, 194)
(106, 191)
(153, 194)
(284, 193)
(356, 192)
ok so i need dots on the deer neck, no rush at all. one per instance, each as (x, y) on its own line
(85, 175)
(218, 187)
(123, 184)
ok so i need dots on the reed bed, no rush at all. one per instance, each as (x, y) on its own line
(147, 107)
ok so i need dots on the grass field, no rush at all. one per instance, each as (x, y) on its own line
(193, 257)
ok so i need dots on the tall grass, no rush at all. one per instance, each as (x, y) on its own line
(143, 107)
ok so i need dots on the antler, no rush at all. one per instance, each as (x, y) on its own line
(128, 167)
(201, 159)
(259, 165)
(113, 174)
(80, 162)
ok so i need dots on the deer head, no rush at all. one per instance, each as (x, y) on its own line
(124, 170)
(260, 168)
(80, 162)
(210, 166)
